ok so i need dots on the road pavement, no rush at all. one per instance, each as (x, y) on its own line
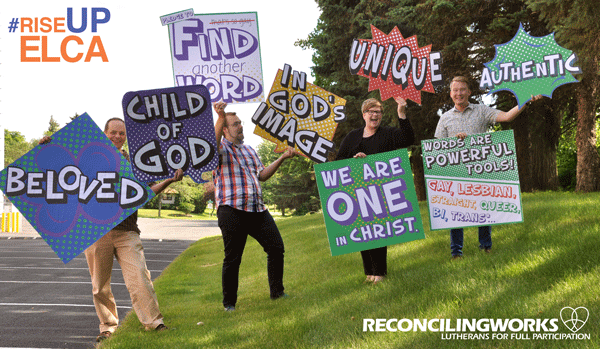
(47, 304)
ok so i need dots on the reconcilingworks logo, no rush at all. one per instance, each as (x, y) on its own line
(573, 318)
(496, 329)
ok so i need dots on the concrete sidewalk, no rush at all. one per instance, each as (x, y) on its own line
(152, 228)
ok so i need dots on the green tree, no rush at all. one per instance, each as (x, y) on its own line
(190, 193)
(465, 32)
(339, 24)
(190, 197)
(293, 186)
(467, 42)
(53, 126)
(577, 28)
(15, 146)
(186, 207)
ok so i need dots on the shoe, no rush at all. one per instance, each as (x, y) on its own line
(161, 327)
(230, 308)
(458, 256)
(282, 295)
(487, 250)
(103, 335)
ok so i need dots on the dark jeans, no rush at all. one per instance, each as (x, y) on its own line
(375, 261)
(457, 235)
(235, 226)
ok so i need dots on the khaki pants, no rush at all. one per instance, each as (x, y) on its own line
(126, 246)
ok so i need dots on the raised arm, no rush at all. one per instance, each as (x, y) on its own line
(159, 187)
(220, 110)
(270, 170)
(407, 134)
(401, 107)
(514, 112)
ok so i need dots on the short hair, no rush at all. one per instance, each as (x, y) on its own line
(228, 113)
(370, 103)
(108, 122)
(461, 78)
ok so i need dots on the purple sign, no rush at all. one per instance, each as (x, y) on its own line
(74, 189)
(170, 129)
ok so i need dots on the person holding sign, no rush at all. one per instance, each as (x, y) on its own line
(373, 139)
(463, 120)
(241, 210)
(123, 243)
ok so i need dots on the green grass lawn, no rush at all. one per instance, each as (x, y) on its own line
(535, 269)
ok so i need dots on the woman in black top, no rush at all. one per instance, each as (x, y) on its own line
(373, 139)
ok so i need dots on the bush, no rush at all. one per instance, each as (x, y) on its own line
(186, 207)
(312, 205)
(152, 204)
(200, 203)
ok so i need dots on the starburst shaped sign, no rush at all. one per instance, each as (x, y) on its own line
(528, 66)
(396, 66)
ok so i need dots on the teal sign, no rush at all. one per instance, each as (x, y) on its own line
(529, 66)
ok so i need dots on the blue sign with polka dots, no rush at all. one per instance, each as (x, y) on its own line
(169, 129)
(74, 189)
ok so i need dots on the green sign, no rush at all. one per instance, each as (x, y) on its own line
(472, 182)
(528, 66)
(369, 202)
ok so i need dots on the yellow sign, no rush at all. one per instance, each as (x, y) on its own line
(300, 115)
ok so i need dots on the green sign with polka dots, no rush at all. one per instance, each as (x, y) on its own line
(472, 182)
(529, 66)
(369, 202)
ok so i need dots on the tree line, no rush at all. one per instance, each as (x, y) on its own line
(556, 139)
(465, 32)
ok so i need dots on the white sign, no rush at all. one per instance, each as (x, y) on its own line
(221, 52)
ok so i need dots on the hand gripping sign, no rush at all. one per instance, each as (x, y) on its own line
(299, 114)
(170, 129)
(472, 182)
(369, 202)
(221, 52)
(528, 66)
(396, 66)
(74, 189)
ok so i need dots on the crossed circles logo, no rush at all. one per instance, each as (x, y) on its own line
(574, 319)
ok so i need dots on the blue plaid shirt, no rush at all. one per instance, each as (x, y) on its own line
(236, 178)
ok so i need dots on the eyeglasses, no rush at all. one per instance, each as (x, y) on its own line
(374, 112)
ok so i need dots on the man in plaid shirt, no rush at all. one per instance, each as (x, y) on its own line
(241, 210)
